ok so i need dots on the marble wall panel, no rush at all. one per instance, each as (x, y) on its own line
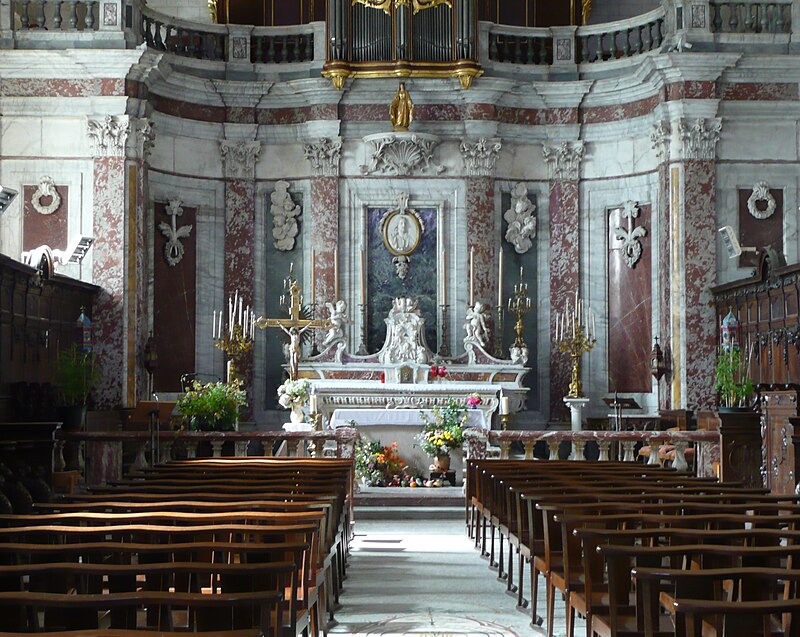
(629, 308)
(744, 139)
(35, 87)
(759, 91)
(759, 233)
(39, 229)
(325, 237)
(196, 157)
(174, 303)
(108, 272)
(21, 137)
(64, 137)
(663, 238)
(482, 225)
(699, 258)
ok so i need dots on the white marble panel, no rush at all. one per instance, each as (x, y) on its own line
(608, 159)
(749, 140)
(21, 136)
(285, 161)
(521, 162)
(65, 137)
(197, 157)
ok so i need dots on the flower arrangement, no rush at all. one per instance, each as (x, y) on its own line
(445, 431)
(294, 393)
(474, 399)
(380, 466)
(213, 406)
(438, 371)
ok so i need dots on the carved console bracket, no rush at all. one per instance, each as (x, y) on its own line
(630, 236)
(401, 154)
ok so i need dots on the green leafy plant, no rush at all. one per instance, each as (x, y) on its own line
(444, 431)
(213, 406)
(732, 380)
(75, 376)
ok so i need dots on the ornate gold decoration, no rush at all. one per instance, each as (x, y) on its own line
(339, 70)
(417, 5)
(236, 347)
(574, 347)
(212, 10)
(586, 11)
(401, 110)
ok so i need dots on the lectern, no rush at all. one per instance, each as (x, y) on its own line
(618, 404)
(153, 413)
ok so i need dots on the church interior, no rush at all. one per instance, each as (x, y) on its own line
(460, 258)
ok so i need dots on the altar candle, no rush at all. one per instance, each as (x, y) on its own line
(213, 323)
(444, 277)
(313, 277)
(594, 331)
(556, 325)
(504, 407)
(472, 276)
(336, 274)
(312, 403)
(240, 310)
(500, 281)
(363, 268)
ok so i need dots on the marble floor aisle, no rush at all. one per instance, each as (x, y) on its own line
(424, 578)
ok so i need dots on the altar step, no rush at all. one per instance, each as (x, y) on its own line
(385, 503)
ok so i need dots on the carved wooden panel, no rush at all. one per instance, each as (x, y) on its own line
(740, 455)
(778, 405)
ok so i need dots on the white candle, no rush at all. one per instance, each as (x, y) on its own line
(594, 331)
(230, 310)
(504, 407)
(313, 277)
(213, 323)
(240, 310)
(312, 403)
(363, 267)
(556, 325)
(228, 371)
(444, 277)
(472, 276)
(500, 280)
(335, 274)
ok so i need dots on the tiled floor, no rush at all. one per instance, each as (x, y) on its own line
(424, 577)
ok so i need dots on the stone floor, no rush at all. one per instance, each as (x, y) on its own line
(423, 577)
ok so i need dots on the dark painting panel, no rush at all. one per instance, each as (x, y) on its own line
(383, 284)
(759, 233)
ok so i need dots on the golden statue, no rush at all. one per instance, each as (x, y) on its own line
(402, 109)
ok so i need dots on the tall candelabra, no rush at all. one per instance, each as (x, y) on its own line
(234, 334)
(575, 334)
(519, 304)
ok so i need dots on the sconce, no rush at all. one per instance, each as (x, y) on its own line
(657, 366)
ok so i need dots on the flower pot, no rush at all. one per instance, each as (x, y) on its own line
(441, 463)
(296, 415)
(72, 417)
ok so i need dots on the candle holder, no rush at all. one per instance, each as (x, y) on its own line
(519, 304)
(575, 335)
(444, 349)
(313, 310)
(236, 343)
(362, 348)
(498, 332)
(504, 418)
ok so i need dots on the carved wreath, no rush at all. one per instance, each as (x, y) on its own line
(761, 193)
(46, 188)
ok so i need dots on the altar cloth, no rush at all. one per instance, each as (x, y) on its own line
(401, 417)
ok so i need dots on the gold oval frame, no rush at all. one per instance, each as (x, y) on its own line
(387, 227)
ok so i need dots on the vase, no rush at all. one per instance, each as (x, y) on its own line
(442, 463)
(296, 415)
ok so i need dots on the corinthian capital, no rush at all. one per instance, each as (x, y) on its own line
(324, 155)
(480, 156)
(108, 135)
(239, 158)
(564, 160)
(700, 137)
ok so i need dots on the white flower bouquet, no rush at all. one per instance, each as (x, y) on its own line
(294, 393)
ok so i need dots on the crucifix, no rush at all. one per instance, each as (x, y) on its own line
(294, 326)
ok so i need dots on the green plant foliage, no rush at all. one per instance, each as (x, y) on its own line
(213, 406)
(732, 380)
(445, 431)
(75, 376)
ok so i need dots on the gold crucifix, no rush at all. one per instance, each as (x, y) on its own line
(294, 326)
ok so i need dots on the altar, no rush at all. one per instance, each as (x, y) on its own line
(402, 426)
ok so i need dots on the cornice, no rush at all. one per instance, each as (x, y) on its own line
(69, 64)
(688, 67)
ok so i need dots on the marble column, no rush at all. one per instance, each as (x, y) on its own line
(239, 161)
(323, 156)
(695, 247)
(107, 138)
(660, 137)
(480, 158)
(563, 163)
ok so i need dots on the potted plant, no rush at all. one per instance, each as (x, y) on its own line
(75, 376)
(442, 433)
(293, 394)
(212, 406)
(732, 380)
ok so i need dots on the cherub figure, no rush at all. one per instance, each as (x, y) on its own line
(475, 325)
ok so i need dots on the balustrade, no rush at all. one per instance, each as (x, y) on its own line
(274, 46)
(163, 34)
(621, 39)
(55, 15)
(520, 46)
(751, 17)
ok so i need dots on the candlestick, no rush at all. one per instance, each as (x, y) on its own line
(444, 277)
(500, 280)
(472, 277)
(579, 338)
(363, 278)
(444, 348)
(505, 408)
(313, 277)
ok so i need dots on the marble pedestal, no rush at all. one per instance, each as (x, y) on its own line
(576, 406)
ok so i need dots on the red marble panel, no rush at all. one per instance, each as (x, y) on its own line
(759, 233)
(39, 229)
(240, 115)
(30, 87)
(174, 303)
(699, 276)
(629, 308)
(524, 116)
(564, 279)
(108, 258)
(600, 114)
(664, 288)
(188, 110)
(481, 221)
(767, 91)
(691, 90)
(138, 297)
(566, 115)
(325, 238)
(297, 114)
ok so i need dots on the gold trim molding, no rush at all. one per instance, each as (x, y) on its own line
(338, 71)
(417, 5)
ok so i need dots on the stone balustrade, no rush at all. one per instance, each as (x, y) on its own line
(57, 15)
(186, 39)
(286, 45)
(520, 45)
(98, 455)
(751, 17)
(621, 39)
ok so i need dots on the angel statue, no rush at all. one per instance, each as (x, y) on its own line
(475, 325)
(338, 321)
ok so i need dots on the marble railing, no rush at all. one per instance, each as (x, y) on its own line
(706, 444)
(621, 39)
(281, 45)
(520, 45)
(57, 15)
(186, 39)
(98, 455)
(751, 17)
